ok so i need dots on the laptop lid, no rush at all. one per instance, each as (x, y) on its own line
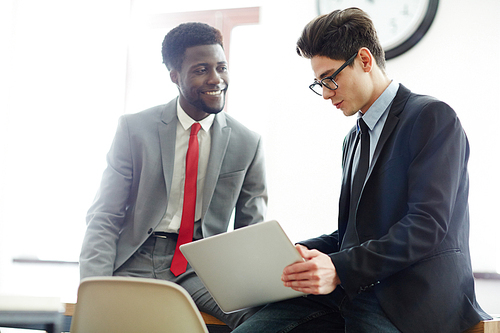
(243, 268)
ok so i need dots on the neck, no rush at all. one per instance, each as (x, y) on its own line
(380, 83)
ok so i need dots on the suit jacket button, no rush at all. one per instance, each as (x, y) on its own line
(150, 230)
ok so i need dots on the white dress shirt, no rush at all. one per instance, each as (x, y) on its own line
(172, 219)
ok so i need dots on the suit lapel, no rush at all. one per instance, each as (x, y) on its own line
(345, 192)
(167, 131)
(390, 124)
(220, 140)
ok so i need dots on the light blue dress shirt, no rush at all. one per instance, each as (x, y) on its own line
(375, 118)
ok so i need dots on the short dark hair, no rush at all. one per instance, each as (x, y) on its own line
(184, 36)
(339, 35)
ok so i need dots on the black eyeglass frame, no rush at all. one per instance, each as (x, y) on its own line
(332, 77)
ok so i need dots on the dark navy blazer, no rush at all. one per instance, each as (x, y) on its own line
(412, 221)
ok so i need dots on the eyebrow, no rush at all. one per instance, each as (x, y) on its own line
(207, 64)
(326, 73)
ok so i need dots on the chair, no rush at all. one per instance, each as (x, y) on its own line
(126, 304)
(486, 326)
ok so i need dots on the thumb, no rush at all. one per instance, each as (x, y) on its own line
(304, 251)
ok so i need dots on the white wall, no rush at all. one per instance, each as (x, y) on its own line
(455, 62)
(64, 89)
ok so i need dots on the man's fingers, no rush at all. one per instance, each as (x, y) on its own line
(305, 286)
(299, 267)
(316, 275)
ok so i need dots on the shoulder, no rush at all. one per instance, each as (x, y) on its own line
(150, 117)
(427, 119)
(430, 110)
(155, 112)
(425, 102)
(411, 106)
(238, 130)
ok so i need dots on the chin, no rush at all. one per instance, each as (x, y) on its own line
(349, 113)
(213, 109)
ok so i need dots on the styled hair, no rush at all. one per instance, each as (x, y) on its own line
(339, 35)
(184, 36)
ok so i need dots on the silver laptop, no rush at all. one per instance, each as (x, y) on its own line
(243, 268)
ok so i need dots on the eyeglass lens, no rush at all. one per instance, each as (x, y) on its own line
(329, 82)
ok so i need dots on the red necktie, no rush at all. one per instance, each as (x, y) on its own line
(179, 263)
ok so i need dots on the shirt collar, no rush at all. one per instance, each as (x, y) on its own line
(186, 121)
(380, 106)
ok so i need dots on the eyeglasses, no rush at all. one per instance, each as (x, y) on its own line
(329, 81)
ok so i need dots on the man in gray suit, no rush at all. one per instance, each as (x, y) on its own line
(134, 221)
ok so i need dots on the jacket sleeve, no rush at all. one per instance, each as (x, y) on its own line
(325, 243)
(251, 206)
(107, 213)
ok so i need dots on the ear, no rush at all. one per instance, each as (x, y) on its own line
(174, 76)
(367, 59)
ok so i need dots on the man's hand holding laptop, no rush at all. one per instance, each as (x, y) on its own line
(315, 275)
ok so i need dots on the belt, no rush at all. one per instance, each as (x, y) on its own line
(162, 234)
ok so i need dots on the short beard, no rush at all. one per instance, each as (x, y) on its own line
(203, 106)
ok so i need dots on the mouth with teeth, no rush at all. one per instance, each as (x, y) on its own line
(213, 92)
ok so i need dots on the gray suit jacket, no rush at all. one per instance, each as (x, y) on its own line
(135, 186)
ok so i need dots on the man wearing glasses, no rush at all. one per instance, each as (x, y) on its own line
(399, 261)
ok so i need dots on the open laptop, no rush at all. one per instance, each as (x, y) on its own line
(243, 268)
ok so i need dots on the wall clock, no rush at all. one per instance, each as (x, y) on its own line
(400, 24)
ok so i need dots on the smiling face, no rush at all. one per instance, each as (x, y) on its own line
(202, 80)
(355, 91)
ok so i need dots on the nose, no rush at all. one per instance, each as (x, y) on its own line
(328, 93)
(215, 77)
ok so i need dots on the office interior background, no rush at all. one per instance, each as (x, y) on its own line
(70, 68)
